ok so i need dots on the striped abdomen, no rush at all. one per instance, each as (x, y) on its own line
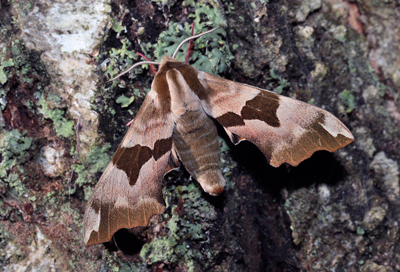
(196, 143)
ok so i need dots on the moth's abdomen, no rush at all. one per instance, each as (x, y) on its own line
(195, 135)
(196, 143)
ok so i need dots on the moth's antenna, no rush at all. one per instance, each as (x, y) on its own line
(193, 37)
(132, 67)
(156, 63)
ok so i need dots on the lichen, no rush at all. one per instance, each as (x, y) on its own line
(95, 161)
(188, 227)
(282, 82)
(4, 64)
(165, 2)
(4, 237)
(388, 172)
(13, 147)
(306, 8)
(211, 53)
(348, 100)
(125, 101)
(63, 126)
(125, 56)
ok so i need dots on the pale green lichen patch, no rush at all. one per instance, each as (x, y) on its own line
(211, 53)
(95, 161)
(18, 60)
(63, 126)
(282, 82)
(348, 100)
(187, 230)
(13, 148)
(125, 101)
(4, 237)
(4, 64)
(124, 55)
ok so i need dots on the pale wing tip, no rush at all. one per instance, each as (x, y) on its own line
(89, 237)
(86, 237)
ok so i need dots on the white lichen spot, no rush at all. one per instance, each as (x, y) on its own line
(324, 193)
(364, 142)
(319, 71)
(339, 32)
(387, 171)
(371, 94)
(305, 32)
(51, 161)
(374, 217)
(306, 8)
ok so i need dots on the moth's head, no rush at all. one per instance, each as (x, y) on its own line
(168, 59)
(168, 63)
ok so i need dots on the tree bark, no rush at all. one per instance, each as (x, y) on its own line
(60, 127)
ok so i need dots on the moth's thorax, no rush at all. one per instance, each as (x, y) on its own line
(189, 73)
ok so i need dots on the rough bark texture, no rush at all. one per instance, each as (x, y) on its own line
(334, 212)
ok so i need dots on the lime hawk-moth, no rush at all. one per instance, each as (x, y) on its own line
(174, 125)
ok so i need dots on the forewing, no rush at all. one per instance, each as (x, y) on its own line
(284, 129)
(129, 192)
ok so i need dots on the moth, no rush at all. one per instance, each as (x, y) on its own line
(174, 125)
